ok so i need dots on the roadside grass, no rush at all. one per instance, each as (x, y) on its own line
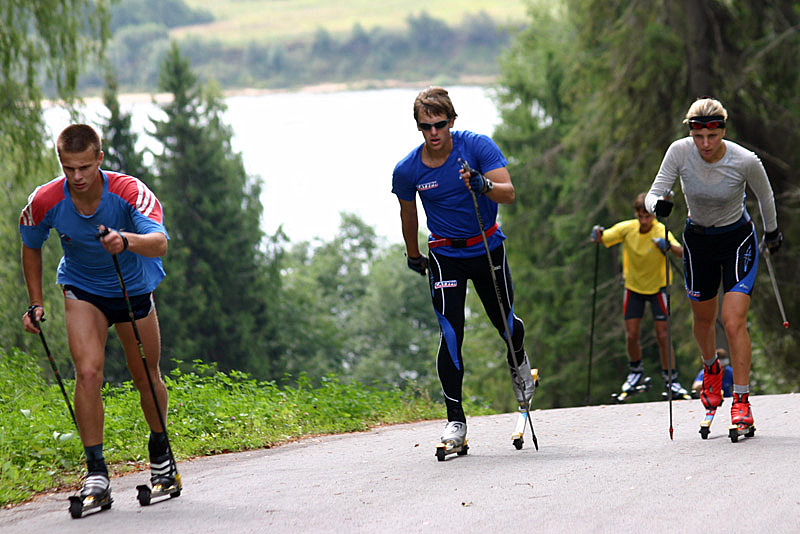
(240, 21)
(209, 412)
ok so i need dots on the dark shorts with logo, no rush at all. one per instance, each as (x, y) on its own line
(711, 256)
(114, 308)
(633, 304)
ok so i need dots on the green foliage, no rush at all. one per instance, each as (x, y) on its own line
(44, 46)
(216, 299)
(587, 118)
(170, 13)
(44, 40)
(209, 412)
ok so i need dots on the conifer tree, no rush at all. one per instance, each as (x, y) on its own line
(119, 139)
(213, 304)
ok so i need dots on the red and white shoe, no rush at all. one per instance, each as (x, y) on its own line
(741, 414)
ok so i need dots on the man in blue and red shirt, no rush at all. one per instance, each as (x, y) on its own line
(81, 205)
(433, 171)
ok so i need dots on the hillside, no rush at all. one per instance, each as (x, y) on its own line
(240, 21)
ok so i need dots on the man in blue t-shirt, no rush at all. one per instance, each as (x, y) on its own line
(457, 253)
(97, 214)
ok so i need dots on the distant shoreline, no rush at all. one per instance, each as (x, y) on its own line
(330, 87)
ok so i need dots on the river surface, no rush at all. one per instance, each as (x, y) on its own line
(319, 154)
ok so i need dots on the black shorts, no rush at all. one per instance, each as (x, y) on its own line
(633, 304)
(114, 308)
(713, 256)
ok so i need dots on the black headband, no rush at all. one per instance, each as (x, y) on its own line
(707, 118)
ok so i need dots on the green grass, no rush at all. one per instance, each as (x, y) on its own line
(209, 412)
(239, 21)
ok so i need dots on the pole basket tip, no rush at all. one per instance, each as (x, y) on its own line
(786, 324)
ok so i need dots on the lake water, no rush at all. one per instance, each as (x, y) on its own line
(321, 154)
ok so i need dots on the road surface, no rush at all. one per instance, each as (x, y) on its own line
(598, 469)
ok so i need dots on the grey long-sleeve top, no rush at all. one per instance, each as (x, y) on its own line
(714, 192)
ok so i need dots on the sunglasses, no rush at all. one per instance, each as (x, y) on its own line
(438, 125)
(711, 123)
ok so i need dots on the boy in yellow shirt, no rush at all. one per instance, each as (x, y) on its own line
(644, 270)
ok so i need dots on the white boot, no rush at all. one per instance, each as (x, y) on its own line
(455, 432)
(526, 384)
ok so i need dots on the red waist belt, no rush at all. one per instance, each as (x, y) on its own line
(460, 242)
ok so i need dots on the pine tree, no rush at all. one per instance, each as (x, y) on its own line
(214, 302)
(119, 139)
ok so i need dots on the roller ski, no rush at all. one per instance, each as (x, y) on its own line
(705, 424)
(164, 479)
(634, 384)
(741, 418)
(517, 438)
(96, 493)
(453, 440)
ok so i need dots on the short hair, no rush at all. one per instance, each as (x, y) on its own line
(705, 106)
(434, 101)
(638, 202)
(77, 138)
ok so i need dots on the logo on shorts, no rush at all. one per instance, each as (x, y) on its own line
(693, 293)
(428, 185)
(445, 284)
(748, 258)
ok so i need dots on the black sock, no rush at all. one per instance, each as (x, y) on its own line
(95, 462)
(157, 446)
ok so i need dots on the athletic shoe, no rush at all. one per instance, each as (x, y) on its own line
(95, 485)
(635, 377)
(162, 471)
(741, 414)
(712, 385)
(678, 391)
(455, 431)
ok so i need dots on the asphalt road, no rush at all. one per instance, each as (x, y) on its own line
(598, 469)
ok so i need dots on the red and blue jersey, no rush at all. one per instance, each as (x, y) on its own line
(127, 204)
(447, 201)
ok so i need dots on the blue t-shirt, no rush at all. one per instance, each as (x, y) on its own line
(727, 380)
(446, 200)
(126, 204)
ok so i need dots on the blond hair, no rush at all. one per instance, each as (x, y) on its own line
(706, 107)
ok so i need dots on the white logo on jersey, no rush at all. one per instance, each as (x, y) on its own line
(426, 186)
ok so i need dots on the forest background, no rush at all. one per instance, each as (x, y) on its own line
(591, 94)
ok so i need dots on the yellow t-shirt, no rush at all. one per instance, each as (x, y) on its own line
(643, 264)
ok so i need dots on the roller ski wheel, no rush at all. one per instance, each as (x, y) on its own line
(162, 486)
(623, 395)
(741, 431)
(446, 449)
(78, 505)
(705, 424)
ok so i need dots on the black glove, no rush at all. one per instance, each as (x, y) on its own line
(418, 264)
(664, 207)
(772, 241)
(479, 183)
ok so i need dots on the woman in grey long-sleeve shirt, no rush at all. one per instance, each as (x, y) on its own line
(720, 242)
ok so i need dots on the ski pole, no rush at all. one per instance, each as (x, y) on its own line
(143, 358)
(465, 166)
(775, 285)
(591, 331)
(52, 363)
(668, 195)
